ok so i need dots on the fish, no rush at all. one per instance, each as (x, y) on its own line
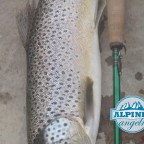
(63, 70)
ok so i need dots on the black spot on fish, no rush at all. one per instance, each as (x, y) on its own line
(57, 115)
(65, 124)
(138, 76)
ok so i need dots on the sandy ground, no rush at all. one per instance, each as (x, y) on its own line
(13, 73)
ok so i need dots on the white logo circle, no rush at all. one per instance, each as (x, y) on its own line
(129, 114)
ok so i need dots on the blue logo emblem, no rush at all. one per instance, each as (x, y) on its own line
(129, 114)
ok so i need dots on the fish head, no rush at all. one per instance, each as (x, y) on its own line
(65, 131)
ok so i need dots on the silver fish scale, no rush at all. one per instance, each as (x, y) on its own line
(54, 84)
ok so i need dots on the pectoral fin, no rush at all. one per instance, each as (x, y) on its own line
(92, 110)
(89, 108)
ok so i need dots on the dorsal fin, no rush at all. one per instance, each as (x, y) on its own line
(24, 20)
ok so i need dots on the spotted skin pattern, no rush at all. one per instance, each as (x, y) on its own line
(57, 66)
(64, 131)
(57, 129)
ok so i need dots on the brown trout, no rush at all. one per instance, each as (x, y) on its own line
(63, 72)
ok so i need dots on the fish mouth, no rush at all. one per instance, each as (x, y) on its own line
(65, 131)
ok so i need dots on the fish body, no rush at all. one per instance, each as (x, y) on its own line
(64, 73)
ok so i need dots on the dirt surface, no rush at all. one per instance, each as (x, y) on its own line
(13, 73)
